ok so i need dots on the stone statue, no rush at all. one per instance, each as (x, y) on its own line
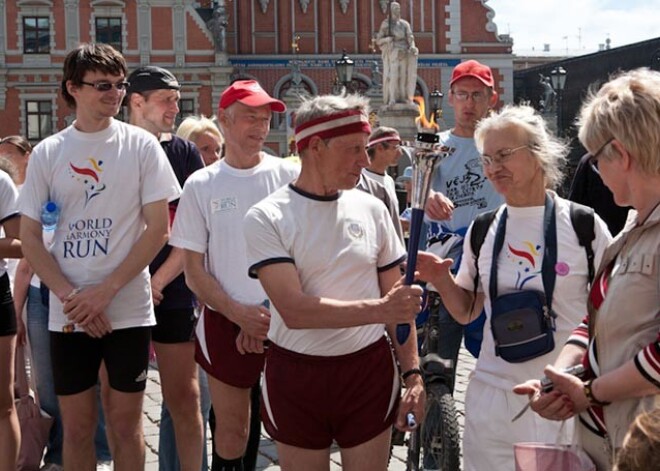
(218, 26)
(549, 93)
(397, 45)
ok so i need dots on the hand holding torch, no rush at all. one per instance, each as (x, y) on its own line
(424, 159)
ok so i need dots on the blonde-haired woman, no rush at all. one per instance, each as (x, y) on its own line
(204, 133)
(619, 340)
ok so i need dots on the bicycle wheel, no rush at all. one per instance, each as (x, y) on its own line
(440, 440)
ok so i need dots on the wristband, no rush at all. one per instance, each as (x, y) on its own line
(409, 373)
(589, 393)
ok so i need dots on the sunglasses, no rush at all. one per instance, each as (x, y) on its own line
(593, 158)
(104, 86)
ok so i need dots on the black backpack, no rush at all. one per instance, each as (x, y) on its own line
(582, 219)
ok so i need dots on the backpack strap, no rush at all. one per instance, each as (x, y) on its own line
(582, 219)
(480, 227)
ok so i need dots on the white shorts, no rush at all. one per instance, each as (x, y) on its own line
(489, 434)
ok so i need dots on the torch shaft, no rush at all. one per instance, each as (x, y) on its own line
(416, 222)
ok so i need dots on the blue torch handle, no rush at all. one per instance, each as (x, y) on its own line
(416, 221)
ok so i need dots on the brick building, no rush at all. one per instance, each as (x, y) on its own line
(289, 46)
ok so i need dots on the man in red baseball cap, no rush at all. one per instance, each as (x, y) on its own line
(249, 93)
(232, 328)
(459, 189)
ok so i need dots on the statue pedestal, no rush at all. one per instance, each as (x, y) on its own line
(400, 116)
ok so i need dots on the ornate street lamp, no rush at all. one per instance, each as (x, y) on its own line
(435, 103)
(344, 67)
(558, 79)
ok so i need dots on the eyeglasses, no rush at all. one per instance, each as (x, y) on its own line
(107, 86)
(500, 157)
(391, 146)
(593, 158)
(477, 97)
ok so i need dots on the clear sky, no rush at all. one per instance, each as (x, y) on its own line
(575, 27)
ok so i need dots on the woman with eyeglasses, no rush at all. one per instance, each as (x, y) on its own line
(531, 275)
(619, 340)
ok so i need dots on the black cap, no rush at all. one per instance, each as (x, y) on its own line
(151, 77)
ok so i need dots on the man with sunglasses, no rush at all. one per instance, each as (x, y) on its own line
(152, 98)
(112, 182)
(459, 189)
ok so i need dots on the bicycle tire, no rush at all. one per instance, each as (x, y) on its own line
(440, 436)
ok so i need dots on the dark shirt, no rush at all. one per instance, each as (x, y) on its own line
(588, 189)
(185, 159)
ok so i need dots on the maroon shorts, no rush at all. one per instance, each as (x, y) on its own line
(309, 401)
(216, 353)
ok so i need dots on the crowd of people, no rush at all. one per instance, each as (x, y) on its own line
(270, 290)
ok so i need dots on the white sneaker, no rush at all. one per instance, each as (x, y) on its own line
(104, 466)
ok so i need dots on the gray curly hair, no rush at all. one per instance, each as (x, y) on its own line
(549, 150)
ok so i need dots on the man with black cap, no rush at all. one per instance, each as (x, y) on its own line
(152, 98)
(231, 331)
(460, 191)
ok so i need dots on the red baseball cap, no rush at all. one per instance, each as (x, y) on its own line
(250, 93)
(474, 69)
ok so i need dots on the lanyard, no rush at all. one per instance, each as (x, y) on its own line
(549, 251)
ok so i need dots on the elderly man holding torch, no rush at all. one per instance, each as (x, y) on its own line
(328, 257)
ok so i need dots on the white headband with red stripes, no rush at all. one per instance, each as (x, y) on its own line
(326, 127)
(385, 138)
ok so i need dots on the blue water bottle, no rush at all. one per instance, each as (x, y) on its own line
(50, 215)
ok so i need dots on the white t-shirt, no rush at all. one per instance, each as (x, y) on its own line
(387, 181)
(101, 181)
(8, 207)
(519, 265)
(209, 218)
(338, 245)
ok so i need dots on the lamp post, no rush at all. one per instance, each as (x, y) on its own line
(558, 79)
(344, 66)
(435, 103)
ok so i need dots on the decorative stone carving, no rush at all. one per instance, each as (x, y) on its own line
(264, 5)
(399, 52)
(383, 5)
(343, 4)
(304, 4)
(218, 26)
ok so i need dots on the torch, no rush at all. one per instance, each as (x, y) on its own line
(424, 158)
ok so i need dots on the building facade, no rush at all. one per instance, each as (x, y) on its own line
(289, 46)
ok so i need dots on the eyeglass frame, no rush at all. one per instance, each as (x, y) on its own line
(105, 86)
(593, 158)
(477, 97)
(502, 155)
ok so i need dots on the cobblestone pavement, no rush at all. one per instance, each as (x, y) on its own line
(267, 452)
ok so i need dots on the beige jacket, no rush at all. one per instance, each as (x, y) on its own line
(629, 318)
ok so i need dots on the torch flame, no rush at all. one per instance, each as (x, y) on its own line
(421, 121)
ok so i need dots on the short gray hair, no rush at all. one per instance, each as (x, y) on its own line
(326, 105)
(549, 150)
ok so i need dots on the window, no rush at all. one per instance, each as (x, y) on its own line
(186, 108)
(39, 120)
(36, 35)
(108, 31)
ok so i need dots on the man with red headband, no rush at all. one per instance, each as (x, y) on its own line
(328, 257)
(232, 329)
